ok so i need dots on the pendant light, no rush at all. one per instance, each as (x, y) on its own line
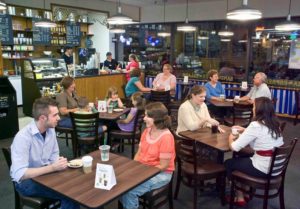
(244, 13)
(117, 30)
(164, 33)
(186, 27)
(2, 6)
(288, 25)
(119, 18)
(226, 32)
(44, 22)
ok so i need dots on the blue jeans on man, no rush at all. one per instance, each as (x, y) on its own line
(30, 188)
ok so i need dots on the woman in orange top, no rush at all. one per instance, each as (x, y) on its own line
(133, 64)
(156, 149)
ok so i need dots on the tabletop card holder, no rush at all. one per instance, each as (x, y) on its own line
(102, 106)
(105, 177)
(244, 85)
(185, 79)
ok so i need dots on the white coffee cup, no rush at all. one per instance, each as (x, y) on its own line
(91, 104)
(235, 131)
(87, 162)
(236, 99)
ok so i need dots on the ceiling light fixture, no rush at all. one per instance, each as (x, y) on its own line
(288, 25)
(119, 18)
(226, 32)
(164, 33)
(186, 27)
(244, 13)
(2, 6)
(117, 30)
(44, 22)
(225, 39)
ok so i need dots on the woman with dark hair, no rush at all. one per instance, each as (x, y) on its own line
(193, 113)
(263, 135)
(67, 101)
(156, 149)
(135, 84)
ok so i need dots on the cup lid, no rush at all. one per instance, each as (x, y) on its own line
(87, 158)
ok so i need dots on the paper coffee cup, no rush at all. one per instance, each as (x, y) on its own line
(87, 162)
(234, 131)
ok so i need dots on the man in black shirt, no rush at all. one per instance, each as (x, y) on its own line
(110, 63)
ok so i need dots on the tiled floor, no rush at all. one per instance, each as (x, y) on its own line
(208, 201)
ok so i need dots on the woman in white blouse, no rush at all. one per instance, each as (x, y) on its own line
(193, 113)
(263, 135)
(166, 80)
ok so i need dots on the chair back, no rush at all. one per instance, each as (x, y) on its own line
(85, 125)
(242, 112)
(161, 96)
(280, 160)
(7, 156)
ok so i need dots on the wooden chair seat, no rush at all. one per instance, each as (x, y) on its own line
(238, 122)
(118, 133)
(205, 170)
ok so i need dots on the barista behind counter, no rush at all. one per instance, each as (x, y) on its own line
(111, 63)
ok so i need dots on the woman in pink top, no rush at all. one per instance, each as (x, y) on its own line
(156, 149)
(166, 80)
(133, 63)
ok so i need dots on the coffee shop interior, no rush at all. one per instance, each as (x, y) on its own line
(191, 36)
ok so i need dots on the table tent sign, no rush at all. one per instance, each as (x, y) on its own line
(105, 177)
(185, 79)
(244, 85)
(102, 106)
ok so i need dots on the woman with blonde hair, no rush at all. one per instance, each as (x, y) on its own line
(165, 80)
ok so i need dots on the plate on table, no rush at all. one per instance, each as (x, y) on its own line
(118, 110)
(75, 163)
(229, 100)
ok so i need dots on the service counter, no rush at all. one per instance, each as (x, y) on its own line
(285, 104)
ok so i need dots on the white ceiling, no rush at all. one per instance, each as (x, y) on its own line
(143, 3)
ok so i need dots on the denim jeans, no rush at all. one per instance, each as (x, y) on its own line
(30, 188)
(65, 122)
(130, 200)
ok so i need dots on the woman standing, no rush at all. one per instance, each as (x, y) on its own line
(263, 135)
(213, 87)
(133, 63)
(67, 101)
(193, 113)
(156, 149)
(166, 80)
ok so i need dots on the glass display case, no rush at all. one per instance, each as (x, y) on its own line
(44, 68)
(41, 77)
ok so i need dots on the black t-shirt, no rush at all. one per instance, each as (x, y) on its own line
(112, 65)
(68, 60)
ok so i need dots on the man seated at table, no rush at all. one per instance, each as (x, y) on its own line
(259, 89)
(35, 152)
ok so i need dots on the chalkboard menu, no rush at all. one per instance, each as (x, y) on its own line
(41, 36)
(73, 34)
(6, 33)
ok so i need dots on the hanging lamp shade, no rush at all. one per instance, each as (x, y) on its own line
(45, 22)
(226, 32)
(117, 30)
(186, 27)
(244, 13)
(119, 18)
(164, 32)
(288, 25)
(2, 6)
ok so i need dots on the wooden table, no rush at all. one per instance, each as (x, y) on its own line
(112, 116)
(225, 103)
(79, 187)
(218, 141)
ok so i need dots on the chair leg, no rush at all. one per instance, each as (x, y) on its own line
(281, 198)
(132, 147)
(178, 181)
(18, 204)
(120, 206)
(222, 182)
(232, 193)
(266, 193)
(195, 196)
(67, 139)
(170, 195)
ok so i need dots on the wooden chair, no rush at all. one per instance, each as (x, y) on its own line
(133, 135)
(241, 115)
(273, 185)
(297, 106)
(66, 132)
(85, 131)
(193, 171)
(32, 202)
(158, 197)
(161, 96)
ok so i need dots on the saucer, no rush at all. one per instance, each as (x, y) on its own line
(75, 163)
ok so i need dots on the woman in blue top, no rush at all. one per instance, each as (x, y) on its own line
(213, 87)
(134, 84)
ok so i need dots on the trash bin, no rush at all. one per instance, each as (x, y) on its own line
(9, 124)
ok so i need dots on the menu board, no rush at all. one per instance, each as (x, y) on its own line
(73, 34)
(294, 61)
(41, 36)
(6, 32)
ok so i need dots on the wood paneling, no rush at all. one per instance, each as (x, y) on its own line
(92, 87)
